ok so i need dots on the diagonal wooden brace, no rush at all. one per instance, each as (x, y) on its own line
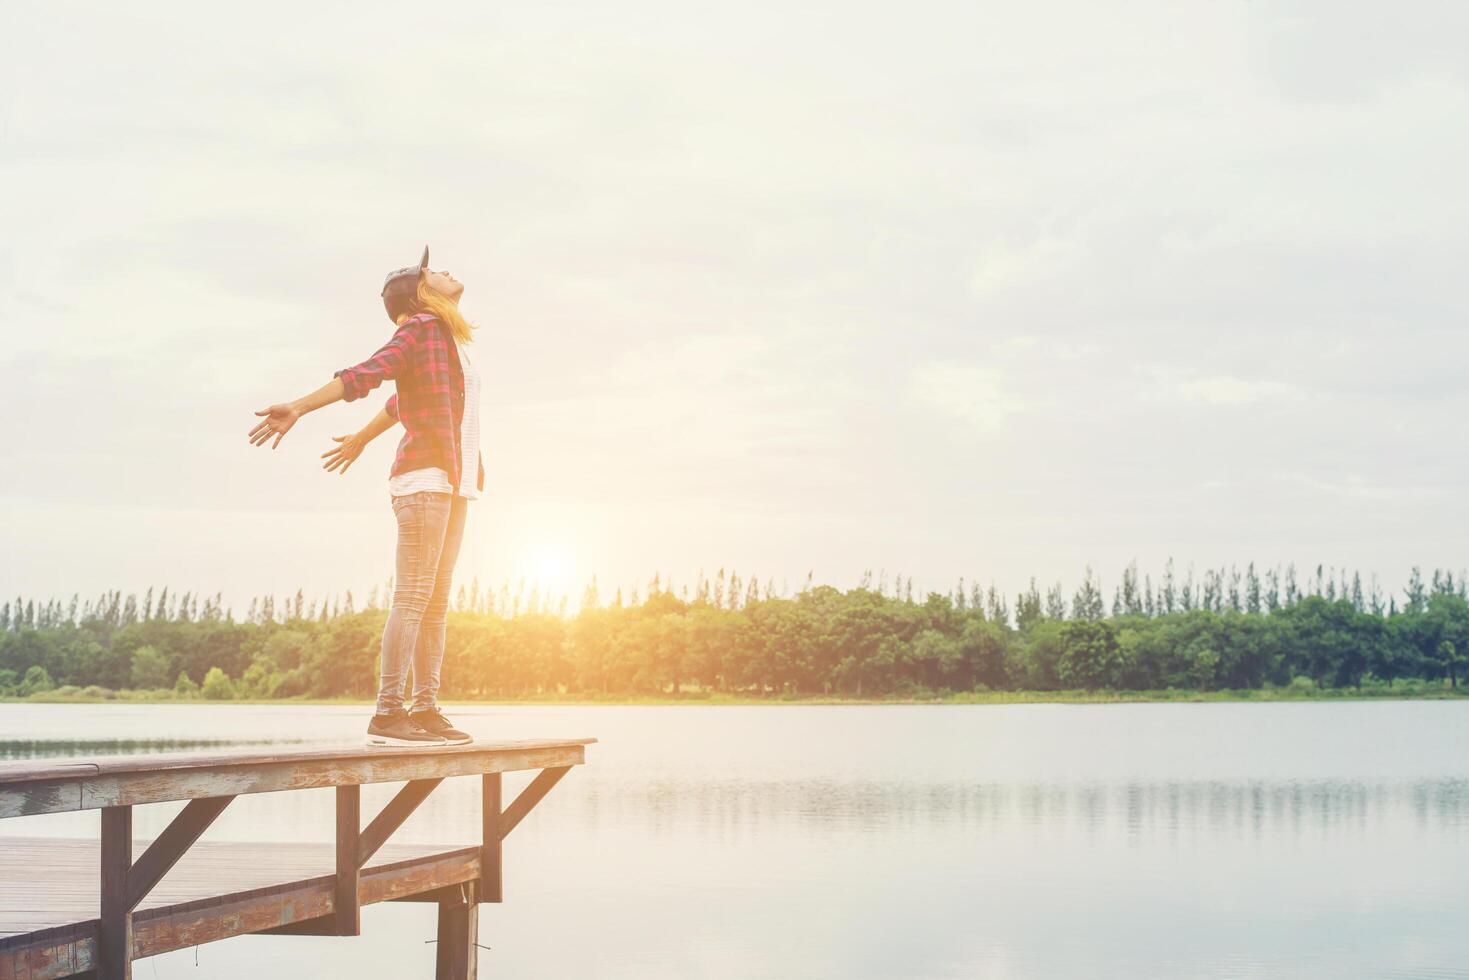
(529, 797)
(176, 838)
(399, 809)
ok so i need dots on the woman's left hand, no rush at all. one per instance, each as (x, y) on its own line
(343, 454)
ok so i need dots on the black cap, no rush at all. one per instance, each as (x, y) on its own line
(404, 281)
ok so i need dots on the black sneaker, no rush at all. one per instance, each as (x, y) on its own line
(431, 720)
(398, 729)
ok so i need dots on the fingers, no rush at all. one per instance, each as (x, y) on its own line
(279, 436)
(258, 437)
(346, 466)
(263, 411)
(339, 438)
(259, 426)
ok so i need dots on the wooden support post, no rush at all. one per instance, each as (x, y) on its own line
(491, 887)
(346, 907)
(458, 946)
(115, 928)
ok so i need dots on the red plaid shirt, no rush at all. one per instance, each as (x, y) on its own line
(422, 359)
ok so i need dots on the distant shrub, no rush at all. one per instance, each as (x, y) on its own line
(66, 691)
(99, 693)
(291, 684)
(218, 686)
(185, 687)
(146, 694)
(1302, 685)
(37, 681)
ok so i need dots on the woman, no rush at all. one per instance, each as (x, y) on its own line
(437, 471)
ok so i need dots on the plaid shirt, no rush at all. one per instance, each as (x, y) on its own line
(422, 359)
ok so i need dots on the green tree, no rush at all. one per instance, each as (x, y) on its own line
(151, 669)
(218, 686)
(36, 681)
(185, 687)
(1091, 657)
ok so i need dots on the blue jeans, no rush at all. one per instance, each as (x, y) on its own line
(430, 529)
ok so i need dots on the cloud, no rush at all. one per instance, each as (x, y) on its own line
(1230, 390)
(970, 394)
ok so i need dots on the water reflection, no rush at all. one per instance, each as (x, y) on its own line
(84, 748)
(1143, 809)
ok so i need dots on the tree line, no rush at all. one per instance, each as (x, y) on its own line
(1224, 629)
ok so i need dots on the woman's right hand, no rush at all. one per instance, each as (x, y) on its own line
(277, 421)
(343, 454)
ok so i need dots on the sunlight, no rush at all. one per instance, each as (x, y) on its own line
(550, 566)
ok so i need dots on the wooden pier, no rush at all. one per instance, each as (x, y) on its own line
(88, 908)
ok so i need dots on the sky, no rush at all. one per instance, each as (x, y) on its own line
(990, 290)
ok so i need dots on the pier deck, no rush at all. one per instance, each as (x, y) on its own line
(89, 908)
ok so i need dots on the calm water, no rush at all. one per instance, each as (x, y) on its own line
(1209, 840)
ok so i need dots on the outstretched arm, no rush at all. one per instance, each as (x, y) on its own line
(390, 361)
(279, 418)
(349, 447)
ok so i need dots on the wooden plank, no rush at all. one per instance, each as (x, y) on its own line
(529, 797)
(345, 905)
(116, 790)
(178, 927)
(33, 770)
(115, 937)
(491, 861)
(50, 954)
(398, 809)
(165, 929)
(457, 953)
(177, 837)
(41, 796)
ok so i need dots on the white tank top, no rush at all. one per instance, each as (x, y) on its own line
(433, 478)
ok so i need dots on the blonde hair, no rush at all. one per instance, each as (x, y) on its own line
(430, 300)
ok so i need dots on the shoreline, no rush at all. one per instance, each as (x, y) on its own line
(714, 700)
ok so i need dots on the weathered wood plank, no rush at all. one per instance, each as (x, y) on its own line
(529, 797)
(32, 770)
(398, 809)
(177, 837)
(178, 927)
(41, 796)
(349, 844)
(50, 954)
(116, 790)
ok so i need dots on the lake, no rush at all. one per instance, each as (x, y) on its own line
(893, 841)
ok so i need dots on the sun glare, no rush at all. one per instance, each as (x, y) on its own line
(549, 566)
